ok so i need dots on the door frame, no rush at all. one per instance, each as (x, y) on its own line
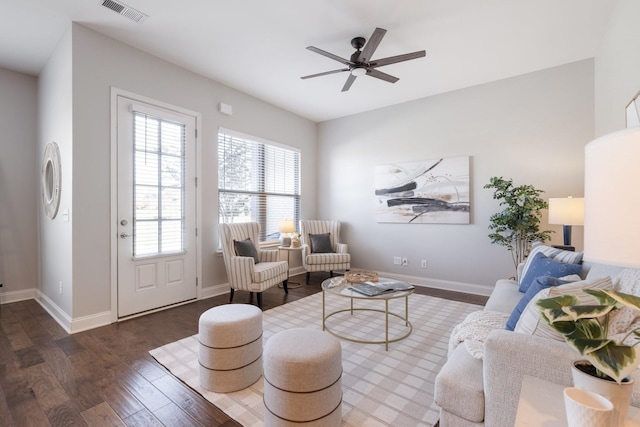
(113, 220)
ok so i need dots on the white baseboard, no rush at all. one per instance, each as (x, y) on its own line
(54, 310)
(214, 291)
(15, 296)
(469, 288)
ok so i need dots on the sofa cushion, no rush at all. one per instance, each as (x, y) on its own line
(504, 297)
(459, 387)
(538, 284)
(542, 265)
(530, 321)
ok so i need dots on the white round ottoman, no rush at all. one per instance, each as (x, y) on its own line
(230, 352)
(302, 379)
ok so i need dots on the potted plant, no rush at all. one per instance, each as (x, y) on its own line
(586, 329)
(518, 224)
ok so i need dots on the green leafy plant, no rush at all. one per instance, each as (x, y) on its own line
(585, 328)
(518, 224)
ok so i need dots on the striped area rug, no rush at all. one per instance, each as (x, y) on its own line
(380, 388)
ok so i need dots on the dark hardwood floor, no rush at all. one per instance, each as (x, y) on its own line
(105, 376)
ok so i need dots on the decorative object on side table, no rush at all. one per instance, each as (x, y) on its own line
(286, 228)
(361, 276)
(566, 211)
(587, 409)
(517, 226)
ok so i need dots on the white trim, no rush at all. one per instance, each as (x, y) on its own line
(253, 138)
(115, 93)
(15, 296)
(469, 288)
(214, 291)
(56, 312)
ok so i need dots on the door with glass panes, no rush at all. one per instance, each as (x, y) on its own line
(156, 207)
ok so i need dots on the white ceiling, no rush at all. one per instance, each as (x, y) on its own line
(258, 46)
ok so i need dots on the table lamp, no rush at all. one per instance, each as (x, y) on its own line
(612, 199)
(286, 228)
(566, 211)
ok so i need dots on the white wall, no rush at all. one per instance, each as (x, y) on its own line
(18, 185)
(531, 128)
(100, 63)
(55, 125)
(617, 65)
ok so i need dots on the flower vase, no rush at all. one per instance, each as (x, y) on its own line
(618, 394)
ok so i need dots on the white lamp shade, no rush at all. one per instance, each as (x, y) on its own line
(612, 199)
(566, 211)
(287, 226)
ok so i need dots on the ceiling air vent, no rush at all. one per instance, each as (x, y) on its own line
(124, 10)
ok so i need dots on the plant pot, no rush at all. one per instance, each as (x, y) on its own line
(618, 394)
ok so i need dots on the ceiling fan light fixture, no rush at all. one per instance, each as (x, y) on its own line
(358, 71)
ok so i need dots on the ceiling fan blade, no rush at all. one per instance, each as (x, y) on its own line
(372, 45)
(329, 55)
(382, 76)
(397, 58)
(349, 82)
(324, 74)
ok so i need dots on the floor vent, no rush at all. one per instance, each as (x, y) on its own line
(124, 10)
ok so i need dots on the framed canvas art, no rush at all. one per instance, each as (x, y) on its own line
(425, 192)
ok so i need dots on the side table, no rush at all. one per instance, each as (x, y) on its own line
(288, 250)
(542, 405)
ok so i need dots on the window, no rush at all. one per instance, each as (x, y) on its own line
(258, 181)
(158, 191)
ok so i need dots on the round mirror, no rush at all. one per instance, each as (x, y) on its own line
(51, 180)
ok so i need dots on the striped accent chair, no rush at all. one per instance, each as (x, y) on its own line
(339, 259)
(242, 271)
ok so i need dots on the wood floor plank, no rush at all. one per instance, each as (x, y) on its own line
(143, 418)
(102, 415)
(191, 402)
(66, 414)
(16, 335)
(143, 390)
(121, 400)
(45, 387)
(172, 415)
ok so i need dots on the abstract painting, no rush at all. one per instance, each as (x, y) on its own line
(425, 192)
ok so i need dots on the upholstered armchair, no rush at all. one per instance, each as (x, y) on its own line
(248, 267)
(321, 247)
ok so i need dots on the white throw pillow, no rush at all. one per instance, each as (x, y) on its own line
(530, 321)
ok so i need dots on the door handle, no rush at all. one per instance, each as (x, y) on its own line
(123, 235)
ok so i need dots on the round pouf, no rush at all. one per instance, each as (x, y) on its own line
(302, 379)
(230, 352)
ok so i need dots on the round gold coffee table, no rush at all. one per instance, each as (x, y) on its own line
(344, 290)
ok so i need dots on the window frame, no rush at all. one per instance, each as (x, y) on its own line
(259, 211)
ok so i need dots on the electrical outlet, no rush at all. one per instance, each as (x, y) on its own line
(60, 287)
(405, 261)
(423, 263)
(397, 260)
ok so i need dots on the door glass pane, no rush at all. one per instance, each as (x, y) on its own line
(159, 191)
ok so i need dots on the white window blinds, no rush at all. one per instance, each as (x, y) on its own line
(158, 191)
(258, 181)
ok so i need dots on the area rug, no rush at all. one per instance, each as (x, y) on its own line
(380, 388)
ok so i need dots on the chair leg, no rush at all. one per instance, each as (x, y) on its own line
(308, 275)
(284, 286)
(231, 295)
(330, 273)
(259, 295)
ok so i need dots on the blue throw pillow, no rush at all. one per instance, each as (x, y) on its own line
(538, 284)
(542, 265)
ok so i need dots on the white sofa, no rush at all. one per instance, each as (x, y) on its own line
(485, 392)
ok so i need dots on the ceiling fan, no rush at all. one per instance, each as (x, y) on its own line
(361, 62)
